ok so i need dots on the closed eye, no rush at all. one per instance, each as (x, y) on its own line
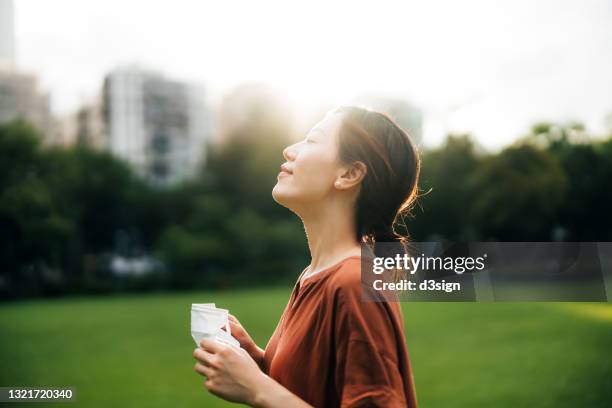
(309, 138)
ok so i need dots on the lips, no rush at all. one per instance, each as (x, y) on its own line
(285, 169)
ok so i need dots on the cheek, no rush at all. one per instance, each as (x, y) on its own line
(315, 173)
(313, 178)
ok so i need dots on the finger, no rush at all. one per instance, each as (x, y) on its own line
(204, 370)
(234, 321)
(211, 386)
(235, 326)
(211, 346)
(204, 357)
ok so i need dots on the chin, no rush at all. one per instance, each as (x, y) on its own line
(277, 194)
(281, 196)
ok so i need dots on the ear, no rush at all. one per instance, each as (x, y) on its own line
(351, 175)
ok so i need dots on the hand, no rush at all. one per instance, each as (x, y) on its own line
(230, 372)
(246, 342)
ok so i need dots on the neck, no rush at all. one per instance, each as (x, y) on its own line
(330, 230)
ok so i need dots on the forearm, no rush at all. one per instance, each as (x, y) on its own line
(271, 394)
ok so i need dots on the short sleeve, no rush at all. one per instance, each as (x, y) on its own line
(367, 335)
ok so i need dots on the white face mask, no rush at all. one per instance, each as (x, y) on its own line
(207, 322)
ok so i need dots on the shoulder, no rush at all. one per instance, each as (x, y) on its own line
(348, 274)
(346, 280)
(358, 312)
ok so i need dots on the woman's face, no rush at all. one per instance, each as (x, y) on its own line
(311, 166)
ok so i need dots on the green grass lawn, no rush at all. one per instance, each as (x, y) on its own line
(135, 351)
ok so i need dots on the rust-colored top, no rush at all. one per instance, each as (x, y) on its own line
(332, 349)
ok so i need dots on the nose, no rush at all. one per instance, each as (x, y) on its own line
(289, 152)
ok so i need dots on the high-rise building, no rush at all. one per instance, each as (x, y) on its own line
(158, 125)
(20, 97)
(89, 126)
(7, 34)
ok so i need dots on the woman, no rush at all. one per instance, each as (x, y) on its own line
(349, 180)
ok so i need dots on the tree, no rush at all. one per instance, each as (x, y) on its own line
(585, 213)
(443, 208)
(517, 194)
(245, 164)
(32, 229)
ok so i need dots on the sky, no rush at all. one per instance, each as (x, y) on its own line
(491, 68)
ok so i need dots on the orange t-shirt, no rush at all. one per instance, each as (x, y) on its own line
(332, 349)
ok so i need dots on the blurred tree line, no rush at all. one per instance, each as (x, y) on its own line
(67, 214)
(550, 185)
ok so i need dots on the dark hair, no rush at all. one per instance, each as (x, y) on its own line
(389, 189)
